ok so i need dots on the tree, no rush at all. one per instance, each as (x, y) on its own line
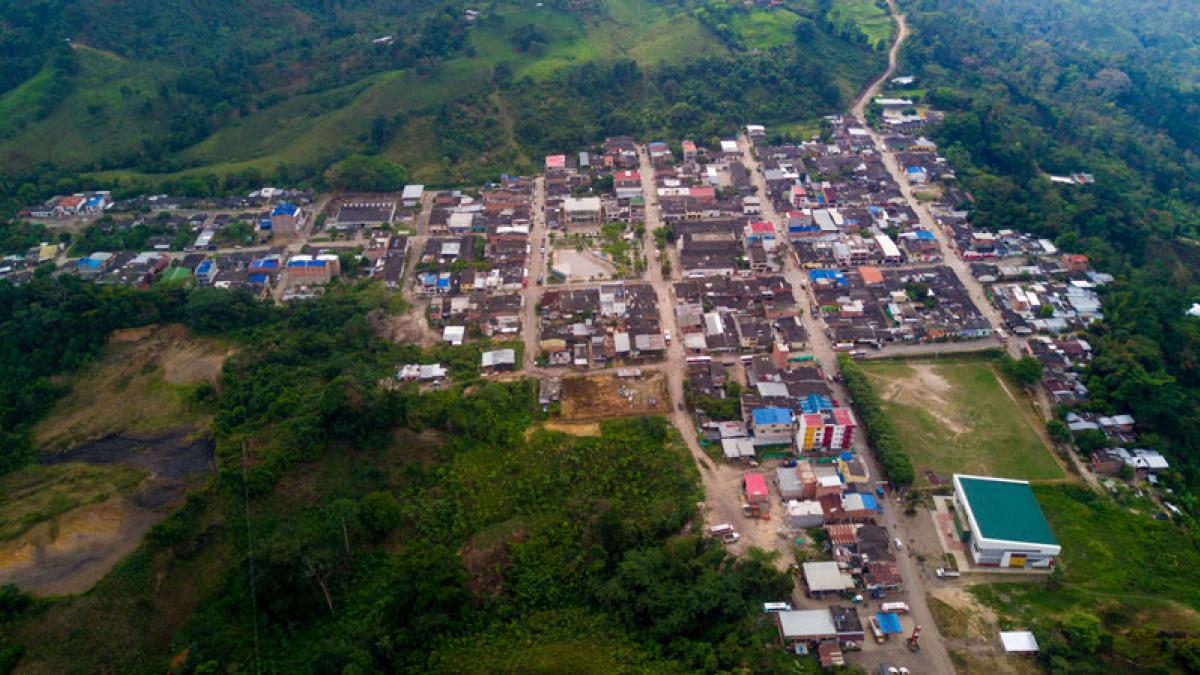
(1083, 632)
(360, 173)
(1058, 431)
(380, 513)
(1027, 370)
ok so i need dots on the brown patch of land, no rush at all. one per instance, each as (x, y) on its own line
(142, 383)
(597, 397)
(72, 519)
(573, 428)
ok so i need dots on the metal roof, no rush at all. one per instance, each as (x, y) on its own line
(805, 623)
(1005, 510)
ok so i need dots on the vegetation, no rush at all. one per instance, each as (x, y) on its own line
(1028, 91)
(890, 450)
(957, 416)
(1125, 590)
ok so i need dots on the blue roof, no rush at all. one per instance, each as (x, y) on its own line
(772, 416)
(915, 169)
(258, 278)
(815, 403)
(889, 622)
(285, 210)
(94, 201)
(203, 266)
(269, 264)
(88, 262)
(427, 277)
(264, 224)
(869, 501)
(443, 282)
(924, 234)
(847, 455)
(817, 275)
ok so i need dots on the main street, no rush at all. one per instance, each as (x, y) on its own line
(933, 654)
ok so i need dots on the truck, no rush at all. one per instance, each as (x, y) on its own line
(944, 573)
(725, 532)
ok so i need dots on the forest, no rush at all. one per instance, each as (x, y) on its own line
(1018, 109)
(355, 527)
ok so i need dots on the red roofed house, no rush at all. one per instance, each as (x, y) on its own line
(689, 151)
(755, 485)
(1075, 262)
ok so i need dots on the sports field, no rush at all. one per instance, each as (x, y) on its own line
(959, 417)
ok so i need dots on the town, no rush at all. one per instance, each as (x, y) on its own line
(718, 286)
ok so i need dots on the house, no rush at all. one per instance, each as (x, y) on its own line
(853, 470)
(1019, 642)
(848, 624)
(755, 486)
(772, 426)
(411, 196)
(498, 360)
(802, 515)
(689, 151)
(800, 628)
(582, 214)
(454, 334)
(1004, 524)
(826, 429)
(825, 578)
(286, 219)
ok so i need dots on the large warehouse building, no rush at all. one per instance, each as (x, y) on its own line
(1005, 523)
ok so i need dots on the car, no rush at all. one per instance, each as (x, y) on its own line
(680, 406)
(899, 544)
(944, 573)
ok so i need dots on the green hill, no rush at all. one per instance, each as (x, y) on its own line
(452, 98)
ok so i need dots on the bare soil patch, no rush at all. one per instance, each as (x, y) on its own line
(69, 551)
(573, 428)
(597, 397)
(929, 389)
(141, 384)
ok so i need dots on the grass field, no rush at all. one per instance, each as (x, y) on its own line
(866, 17)
(764, 30)
(38, 493)
(142, 383)
(958, 417)
(1137, 574)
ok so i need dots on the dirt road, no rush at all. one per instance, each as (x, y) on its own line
(537, 266)
(722, 482)
(933, 657)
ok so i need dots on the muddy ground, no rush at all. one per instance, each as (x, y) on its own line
(72, 551)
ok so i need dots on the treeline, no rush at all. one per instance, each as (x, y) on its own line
(52, 325)
(1017, 111)
(886, 442)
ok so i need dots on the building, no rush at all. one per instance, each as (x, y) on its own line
(354, 215)
(1003, 524)
(827, 429)
(800, 628)
(803, 515)
(500, 359)
(755, 486)
(582, 214)
(412, 195)
(826, 578)
(771, 426)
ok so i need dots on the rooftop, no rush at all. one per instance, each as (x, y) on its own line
(1005, 510)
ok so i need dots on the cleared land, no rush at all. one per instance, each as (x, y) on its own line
(143, 383)
(957, 417)
(593, 397)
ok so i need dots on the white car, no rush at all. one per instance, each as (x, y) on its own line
(899, 544)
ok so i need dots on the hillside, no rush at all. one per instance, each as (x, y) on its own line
(299, 85)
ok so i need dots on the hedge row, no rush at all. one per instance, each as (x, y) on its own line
(892, 457)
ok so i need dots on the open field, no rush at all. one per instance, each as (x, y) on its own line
(39, 493)
(865, 17)
(956, 416)
(1136, 574)
(143, 383)
(594, 397)
(65, 524)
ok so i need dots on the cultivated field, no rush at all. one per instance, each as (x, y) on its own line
(959, 417)
(594, 397)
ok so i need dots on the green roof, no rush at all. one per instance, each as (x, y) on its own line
(1006, 510)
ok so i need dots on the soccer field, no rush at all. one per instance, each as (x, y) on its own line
(959, 417)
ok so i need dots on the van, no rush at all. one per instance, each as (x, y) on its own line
(947, 574)
(769, 607)
(721, 530)
(898, 607)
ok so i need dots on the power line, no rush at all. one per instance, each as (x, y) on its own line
(250, 554)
